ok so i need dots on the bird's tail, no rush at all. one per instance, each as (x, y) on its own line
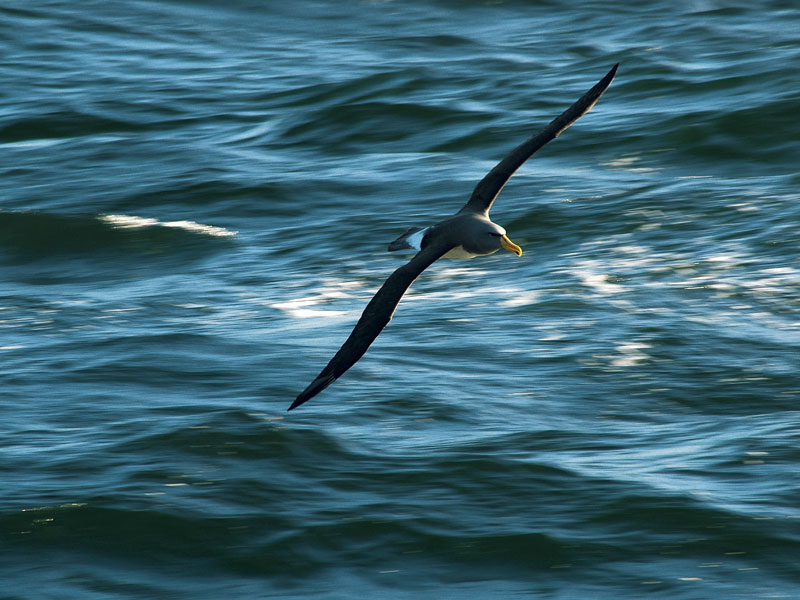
(406, 241)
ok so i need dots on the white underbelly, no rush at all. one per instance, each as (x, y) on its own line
(415, 241)
(459, 252)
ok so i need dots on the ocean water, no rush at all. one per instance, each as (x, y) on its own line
(195, 205)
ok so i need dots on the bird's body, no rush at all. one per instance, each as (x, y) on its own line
(472, 235)
(467, 234)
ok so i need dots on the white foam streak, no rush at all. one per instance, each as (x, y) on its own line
(303, 308)
(133, 222)
(631, 354)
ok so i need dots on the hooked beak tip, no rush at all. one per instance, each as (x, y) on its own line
(507, 244)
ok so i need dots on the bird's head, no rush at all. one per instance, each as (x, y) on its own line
(486, 238)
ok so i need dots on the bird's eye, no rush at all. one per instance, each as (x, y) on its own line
(495, 234)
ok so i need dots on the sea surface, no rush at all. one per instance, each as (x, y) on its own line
(195, 204)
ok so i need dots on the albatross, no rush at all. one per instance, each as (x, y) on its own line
(467, 234)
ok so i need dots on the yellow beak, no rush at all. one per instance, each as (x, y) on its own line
(509, 245)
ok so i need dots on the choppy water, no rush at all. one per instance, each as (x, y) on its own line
(194, 211)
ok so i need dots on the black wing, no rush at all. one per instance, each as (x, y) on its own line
(375, 317)
(489, 187)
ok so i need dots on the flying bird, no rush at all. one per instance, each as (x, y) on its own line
(467, 234)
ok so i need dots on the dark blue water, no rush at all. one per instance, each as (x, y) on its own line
(195, 206)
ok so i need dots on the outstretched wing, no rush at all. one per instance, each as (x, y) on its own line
(375, 317)
(489, 187)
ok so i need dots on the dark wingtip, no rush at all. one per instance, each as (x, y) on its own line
(300, 400)
(602, 85)
(322, 381)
